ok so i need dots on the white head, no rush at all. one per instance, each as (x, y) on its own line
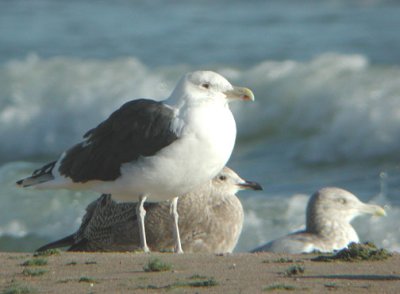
(199, 86)
(229, 182)
(337, 205)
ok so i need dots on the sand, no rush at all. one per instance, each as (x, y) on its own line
(195, 273)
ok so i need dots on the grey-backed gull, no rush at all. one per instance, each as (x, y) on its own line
(153, 149)
(329, 213)
(210, 221)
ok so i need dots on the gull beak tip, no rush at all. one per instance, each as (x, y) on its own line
(380, 212)
(247, 95)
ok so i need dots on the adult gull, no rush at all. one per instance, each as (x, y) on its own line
(210, 221)
(153, 149)
(329, 213)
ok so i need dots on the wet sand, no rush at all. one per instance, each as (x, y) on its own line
(195, 273)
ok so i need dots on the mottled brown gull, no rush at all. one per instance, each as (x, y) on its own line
(329, 213)
(150, 149)
(211, 220)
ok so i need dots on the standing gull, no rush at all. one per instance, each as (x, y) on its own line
(153, 149)
(329, 213)
(210, 221)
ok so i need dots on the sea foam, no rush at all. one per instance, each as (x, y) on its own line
(333, 107)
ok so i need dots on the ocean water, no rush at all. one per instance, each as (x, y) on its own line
(326, 76)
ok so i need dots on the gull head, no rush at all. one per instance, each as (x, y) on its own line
(335, 204)
(229, 182)
(204, 86)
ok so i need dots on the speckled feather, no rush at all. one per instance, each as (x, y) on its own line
(211, 220)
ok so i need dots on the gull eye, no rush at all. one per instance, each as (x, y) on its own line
(342, 201)
(222, 178)
(205, 85)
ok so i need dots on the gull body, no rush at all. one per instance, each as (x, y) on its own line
(159, 150)
(211, 220)
(328, 224)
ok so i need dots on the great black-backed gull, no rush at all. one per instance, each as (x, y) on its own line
(329, 213)
(153, 149)
(210, 221)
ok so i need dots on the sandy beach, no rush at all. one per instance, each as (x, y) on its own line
(193, 273)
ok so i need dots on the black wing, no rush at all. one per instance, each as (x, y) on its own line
(139, 128)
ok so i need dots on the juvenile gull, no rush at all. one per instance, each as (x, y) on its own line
(329, 213)
(210, 220)
(153, 149)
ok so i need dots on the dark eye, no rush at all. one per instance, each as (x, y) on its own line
(205, 85)
(222, 178)
(342, 200)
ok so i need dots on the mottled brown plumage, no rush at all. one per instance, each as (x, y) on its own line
(211, 220)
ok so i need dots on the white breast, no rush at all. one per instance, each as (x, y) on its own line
(206, 142)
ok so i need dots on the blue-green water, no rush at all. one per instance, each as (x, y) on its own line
(326, 77)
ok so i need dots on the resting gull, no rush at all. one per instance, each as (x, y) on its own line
(329, 213)
(210, 221)
(159, 150)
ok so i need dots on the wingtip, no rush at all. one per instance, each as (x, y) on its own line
(22, 183)
(64, 242)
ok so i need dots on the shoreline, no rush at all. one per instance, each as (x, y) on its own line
(67, 272)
